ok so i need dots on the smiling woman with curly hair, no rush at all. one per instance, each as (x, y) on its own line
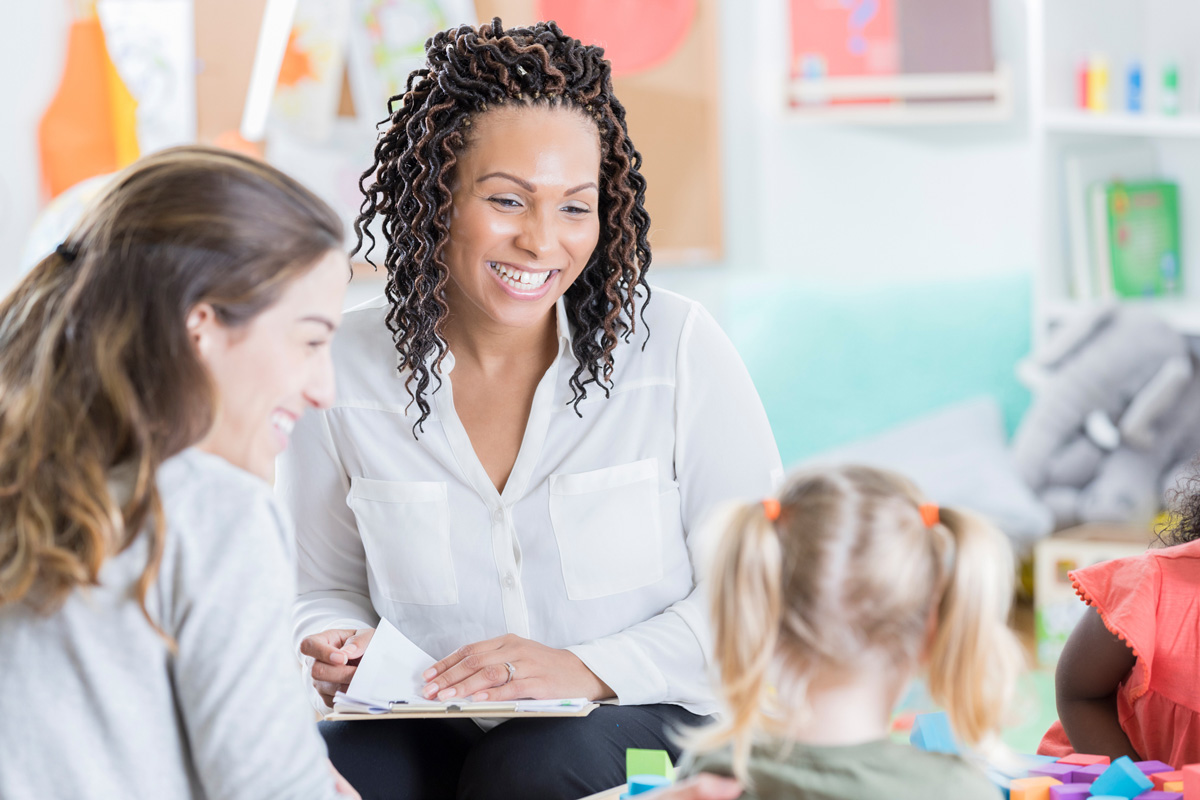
(523, 444)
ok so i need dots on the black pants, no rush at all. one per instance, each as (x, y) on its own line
(522, 759)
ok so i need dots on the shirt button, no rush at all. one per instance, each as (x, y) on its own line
(509, 580)
(498, 517)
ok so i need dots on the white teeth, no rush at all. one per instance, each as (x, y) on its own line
(283, 422)
(519, 279)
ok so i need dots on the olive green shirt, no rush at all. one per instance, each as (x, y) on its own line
(870, 771)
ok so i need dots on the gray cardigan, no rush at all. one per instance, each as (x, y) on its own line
(94, 705)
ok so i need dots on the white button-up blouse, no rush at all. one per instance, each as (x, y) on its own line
(591, 545)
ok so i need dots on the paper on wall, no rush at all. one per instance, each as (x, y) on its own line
(152, 44)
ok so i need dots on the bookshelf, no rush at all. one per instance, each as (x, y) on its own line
(811, 98)
(1062, 34)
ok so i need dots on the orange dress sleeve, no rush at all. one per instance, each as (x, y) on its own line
(1125, 592)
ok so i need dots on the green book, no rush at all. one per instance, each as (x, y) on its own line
(1141, 226)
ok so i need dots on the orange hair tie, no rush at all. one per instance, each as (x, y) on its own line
(771, 508)
(930, 514)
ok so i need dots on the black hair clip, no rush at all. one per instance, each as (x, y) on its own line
(66, 252)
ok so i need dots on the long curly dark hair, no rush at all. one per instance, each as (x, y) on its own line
(408, 187)
(1183, 524)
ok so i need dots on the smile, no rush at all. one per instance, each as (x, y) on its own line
(520, 280)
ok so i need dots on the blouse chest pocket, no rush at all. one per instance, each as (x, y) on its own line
(405, 529)
(608, 529)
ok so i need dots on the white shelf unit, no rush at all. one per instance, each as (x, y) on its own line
(813, 98)
(1062, 35)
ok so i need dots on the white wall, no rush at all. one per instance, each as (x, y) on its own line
(862, 204)
(830, 204)
(32, 46)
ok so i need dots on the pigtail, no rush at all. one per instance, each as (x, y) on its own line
(974, 658)
(746, 606)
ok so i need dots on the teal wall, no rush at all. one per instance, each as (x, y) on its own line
(836, 364)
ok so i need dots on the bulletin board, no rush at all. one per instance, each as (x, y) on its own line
(226, 37)
(669, 85)
(666, 74)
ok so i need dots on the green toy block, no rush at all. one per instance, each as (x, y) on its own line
(648, 762)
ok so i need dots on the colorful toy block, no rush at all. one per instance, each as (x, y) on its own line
(1161, 796)
(648, 762)
(1060, 772)
(1191, 781)
(1090, 773)
(1071, 791)
(640, 784)
(932, 733)
(1160, 779)
(1153, 767)
(1084, 759)
(1121, 779)
(1032, 788)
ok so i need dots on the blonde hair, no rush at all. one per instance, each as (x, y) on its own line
(97, 372)
(850, 568)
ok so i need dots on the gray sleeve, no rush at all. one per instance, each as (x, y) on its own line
(237, 683)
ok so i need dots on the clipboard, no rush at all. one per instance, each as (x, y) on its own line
(466, 711)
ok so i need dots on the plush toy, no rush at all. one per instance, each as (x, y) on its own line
(1115, 419)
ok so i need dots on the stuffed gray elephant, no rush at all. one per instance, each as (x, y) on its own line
(1115, 417)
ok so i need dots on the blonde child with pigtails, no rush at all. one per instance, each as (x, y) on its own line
(825, 604)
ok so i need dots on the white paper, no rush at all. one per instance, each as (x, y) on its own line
(390, 670)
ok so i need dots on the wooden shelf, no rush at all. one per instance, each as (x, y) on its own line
(1122, 123)
(812, 99)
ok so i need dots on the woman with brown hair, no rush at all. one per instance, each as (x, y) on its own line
(524, 444)
(150, 371)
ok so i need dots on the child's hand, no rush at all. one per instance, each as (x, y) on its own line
(700, 787)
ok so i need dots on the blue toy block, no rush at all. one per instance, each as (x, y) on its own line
(931, 732)
(1122, 779)
(640, 784)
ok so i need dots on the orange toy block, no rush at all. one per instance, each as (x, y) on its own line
(1031, 788)
(1084, 760)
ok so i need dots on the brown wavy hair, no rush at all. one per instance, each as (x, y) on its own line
(408, 189)
(97, 372)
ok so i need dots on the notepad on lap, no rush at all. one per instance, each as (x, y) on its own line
(388, 681)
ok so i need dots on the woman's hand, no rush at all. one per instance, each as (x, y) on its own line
(335, 655)
(539, 673)
(701, 787)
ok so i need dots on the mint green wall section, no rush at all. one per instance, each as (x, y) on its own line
(836, 364)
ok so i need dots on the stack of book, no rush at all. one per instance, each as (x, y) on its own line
(1123, 225)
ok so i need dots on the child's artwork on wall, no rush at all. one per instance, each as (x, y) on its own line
(661, 28)
(843, 38)
(151, 42)
(90, 126)
(667, 75)
(310, 78)
(387, 42)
